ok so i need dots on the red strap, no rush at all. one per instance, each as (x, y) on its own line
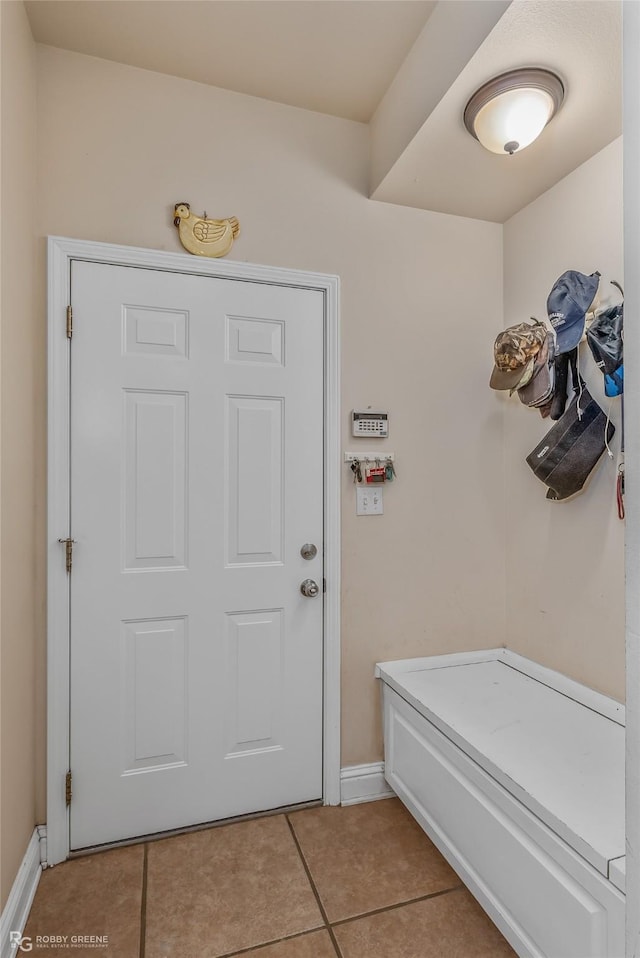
(620, 494)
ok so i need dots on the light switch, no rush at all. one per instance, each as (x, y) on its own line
(369, 501)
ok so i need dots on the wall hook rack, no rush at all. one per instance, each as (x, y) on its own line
(369, 456)
(371, 467)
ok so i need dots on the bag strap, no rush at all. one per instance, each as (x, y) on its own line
(576, 379)
(618, 286)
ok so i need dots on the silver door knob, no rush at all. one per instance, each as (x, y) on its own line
(309, 551)
(309, 588)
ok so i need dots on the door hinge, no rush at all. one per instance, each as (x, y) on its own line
(67, 788)
(68, 546)
(69, 322)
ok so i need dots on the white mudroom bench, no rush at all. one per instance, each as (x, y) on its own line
(516, 773)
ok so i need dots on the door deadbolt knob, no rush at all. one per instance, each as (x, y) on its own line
(309, 551)
(309, 588)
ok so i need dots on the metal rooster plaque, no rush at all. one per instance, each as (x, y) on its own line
(203, 236)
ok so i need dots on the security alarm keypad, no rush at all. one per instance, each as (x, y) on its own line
(373, 425)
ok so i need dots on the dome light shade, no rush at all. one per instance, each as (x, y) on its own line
(509, 112)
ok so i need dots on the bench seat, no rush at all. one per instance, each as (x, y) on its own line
(517, 775)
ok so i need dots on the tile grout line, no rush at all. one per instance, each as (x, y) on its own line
(251, 949)
(143, 902)
(325, 917)
(399, 904)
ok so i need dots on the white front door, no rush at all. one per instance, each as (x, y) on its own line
(196, 477)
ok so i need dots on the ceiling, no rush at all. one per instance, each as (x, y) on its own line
(333, 56)
(407, 67)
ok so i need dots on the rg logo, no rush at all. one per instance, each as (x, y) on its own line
(21, 942)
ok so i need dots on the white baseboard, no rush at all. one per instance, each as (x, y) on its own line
(16, 911)
(363, 783)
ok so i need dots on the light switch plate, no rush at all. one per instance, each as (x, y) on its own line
(369, 501)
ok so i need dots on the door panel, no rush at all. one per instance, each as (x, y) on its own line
(196, 475)
(254, 430)
(255, 680)
(154, 668)
(155, 471)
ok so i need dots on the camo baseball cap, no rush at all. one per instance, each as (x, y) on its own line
(514, 353)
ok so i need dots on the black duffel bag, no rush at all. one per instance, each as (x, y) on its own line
(565, 457)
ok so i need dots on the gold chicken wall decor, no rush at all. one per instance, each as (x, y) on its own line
(203, 236)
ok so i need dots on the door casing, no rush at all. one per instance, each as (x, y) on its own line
(61, 251)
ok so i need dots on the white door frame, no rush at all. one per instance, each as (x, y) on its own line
(61, 251)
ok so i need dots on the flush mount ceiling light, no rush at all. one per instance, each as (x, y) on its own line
(510, 111)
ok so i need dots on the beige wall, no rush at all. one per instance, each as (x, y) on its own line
(21, 351)
(421, 295)
(565, 561)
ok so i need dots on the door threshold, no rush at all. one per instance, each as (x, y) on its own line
(187, 829)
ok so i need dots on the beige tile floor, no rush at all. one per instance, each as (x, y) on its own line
(356, 882)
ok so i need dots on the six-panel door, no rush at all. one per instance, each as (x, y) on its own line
(196, 476)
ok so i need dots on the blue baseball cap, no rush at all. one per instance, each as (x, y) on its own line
(567, 306)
